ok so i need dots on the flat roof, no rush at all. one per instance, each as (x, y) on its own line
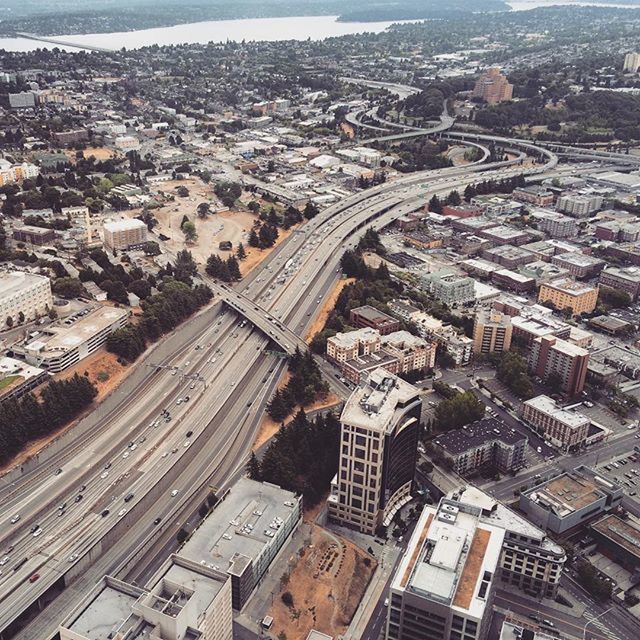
(632, 274)
(234, 533)
(125, 224)
(569, 286)
(579, 259)
(64, 337)
(548, 405)
(15, 281)
(450, 554)
(624, 533)
(503, 231)
(369, 361)
(566, 494)
(374, 405)
(477, 433)
(372, 314)
(509, 251)
(352, 338)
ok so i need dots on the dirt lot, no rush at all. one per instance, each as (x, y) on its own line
(99, 153)
(327, 583)
(327, 307)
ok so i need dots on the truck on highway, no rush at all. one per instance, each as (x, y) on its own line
(288, 263)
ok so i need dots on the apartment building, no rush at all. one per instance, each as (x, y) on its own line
(450, 288)
(631, 62)
(534, 194)
(351, 344)
(570, 500)
(508, 256)
(444, 585)
(59, 346)
(504, 234)
(617, 231)
(459, 346)
(579, 265)
(492, 331)
(550, 355)
(565, 293)
(564, 429)
(529, 560)
(24, 293)
(11, 173)
(579, 205)
(554, 224)
(493, 87)
(412, 352)
(623, 278)
(484, 443)
(122, 234)
(513, 281)
(367, 316)
(378, 446)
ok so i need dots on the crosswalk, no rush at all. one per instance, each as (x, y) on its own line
(600, 626)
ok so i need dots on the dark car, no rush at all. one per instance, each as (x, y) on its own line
(105, 513)
(157, 521)
(128, 497)
(78, 497)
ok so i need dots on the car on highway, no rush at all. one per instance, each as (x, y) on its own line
(78, 497)
(125, 454)
(128, 497)
(57, 472)
(105, 513)
(34, 577)
(134, 446)
(104, 474)
(174, 493)
(165, 454)
(73, 557)
(157, 521)
(179, 401)
(61, 513)
(10, 548)
(534, 617)
(15, 518)
(186, 444)
(37, 532)
(4, 561)
(121, 513)
(107, 466)
(548, 623)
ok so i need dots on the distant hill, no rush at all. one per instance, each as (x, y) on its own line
(54, 17)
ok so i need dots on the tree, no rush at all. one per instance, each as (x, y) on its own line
(203, 210)
(435, 205)
(241, 254)
(189, 230)
(9, 322)
(454, 198)
(68, 288)
(182, 191)
(287, 599)
(253, 467)
(310, 211)
(233, 268)
(20, 317)
(254, 240)
(459, 410)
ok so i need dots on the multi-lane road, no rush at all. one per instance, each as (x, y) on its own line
(138, 471)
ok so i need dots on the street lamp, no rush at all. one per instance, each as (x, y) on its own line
(584, 630)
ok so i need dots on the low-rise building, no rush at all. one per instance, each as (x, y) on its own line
(492, 331)
(413, 353)
(59, 346)
(503, 234)
(351, 344)
(461, 211)
(613, 360)
(18, 378)
(38, 236)
(617, 231)
(367, 316)
(623, 278)
(579, 265)
(570, 500)
(450, 288)
(513, 281)
(619, 540)
(508, 256)
(542, 271)
(552, 356)
(24, 293)
(569, 294)
(484, 443)
(563, 428)
(539, 196)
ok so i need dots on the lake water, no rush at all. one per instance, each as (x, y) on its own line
(259, 29)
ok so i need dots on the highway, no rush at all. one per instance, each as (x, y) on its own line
(134, 450)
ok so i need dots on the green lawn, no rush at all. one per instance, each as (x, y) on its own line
(7, 381)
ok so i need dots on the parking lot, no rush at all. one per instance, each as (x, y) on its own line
(625, 470)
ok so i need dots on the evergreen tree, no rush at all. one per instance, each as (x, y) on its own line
(253, 467)
(241, 254)
(254, 240)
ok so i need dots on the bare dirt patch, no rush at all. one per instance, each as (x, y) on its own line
(99, 153)
(327, 308)
(326, 583)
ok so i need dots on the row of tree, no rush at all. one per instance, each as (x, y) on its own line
(303, 456)
(226, 270)
(27, 418)
(304, 387)
(161, 314)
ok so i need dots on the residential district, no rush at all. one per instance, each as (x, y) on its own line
(332, 339)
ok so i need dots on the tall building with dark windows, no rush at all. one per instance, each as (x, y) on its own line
(378, 448)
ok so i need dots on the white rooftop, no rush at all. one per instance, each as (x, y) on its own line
(548, 405)
(12, 282)
(126, 224)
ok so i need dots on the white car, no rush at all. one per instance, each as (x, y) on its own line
(121, 513)
(104, 475)
(37, 533)
(174, 493)
(134, 446)
(125, 454)
(179, 401)
(73, 557)
(186, 444)
(165, 454)
(15, 519)
(4, 561)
